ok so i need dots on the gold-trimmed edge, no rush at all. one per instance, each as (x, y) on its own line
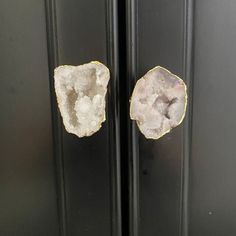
(57, 97)
(185, 97)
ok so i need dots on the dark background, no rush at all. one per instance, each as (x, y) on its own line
(117, 182)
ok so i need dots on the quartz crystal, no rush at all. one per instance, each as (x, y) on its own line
(81, 92)
(158, 102)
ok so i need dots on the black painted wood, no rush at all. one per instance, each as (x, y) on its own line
(187, 126)
(53, 183)
(74, 186)
(113, 115)
(133, 148)
(86, 31)
(28, 203)
(160, 29)
(52, 51)
(212, 192)
(186, 179)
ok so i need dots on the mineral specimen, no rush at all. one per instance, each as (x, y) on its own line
(158, 102)
(81, 92)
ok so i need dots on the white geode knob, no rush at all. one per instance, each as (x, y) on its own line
(81, 92)
(158, 102)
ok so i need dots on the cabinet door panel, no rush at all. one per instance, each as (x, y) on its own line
(85, 32)
(183, 184)
(28, 199)
(212, 199)
(160, 42)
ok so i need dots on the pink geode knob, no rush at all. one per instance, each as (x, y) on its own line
(158, 102)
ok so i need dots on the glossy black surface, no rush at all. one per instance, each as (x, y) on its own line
(117, 182)
(89, 187)
(28, 203)
(212, 200)
(186, 183)
(132, 142)
(52, 182)
(160, 29)
(86, 161)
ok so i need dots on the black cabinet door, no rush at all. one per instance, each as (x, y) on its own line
(184, 183)
(90, 185)
(53, 183)
(28, 196)
(212, 192)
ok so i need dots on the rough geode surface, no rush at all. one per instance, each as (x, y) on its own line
(158, 102)
(81, 92)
